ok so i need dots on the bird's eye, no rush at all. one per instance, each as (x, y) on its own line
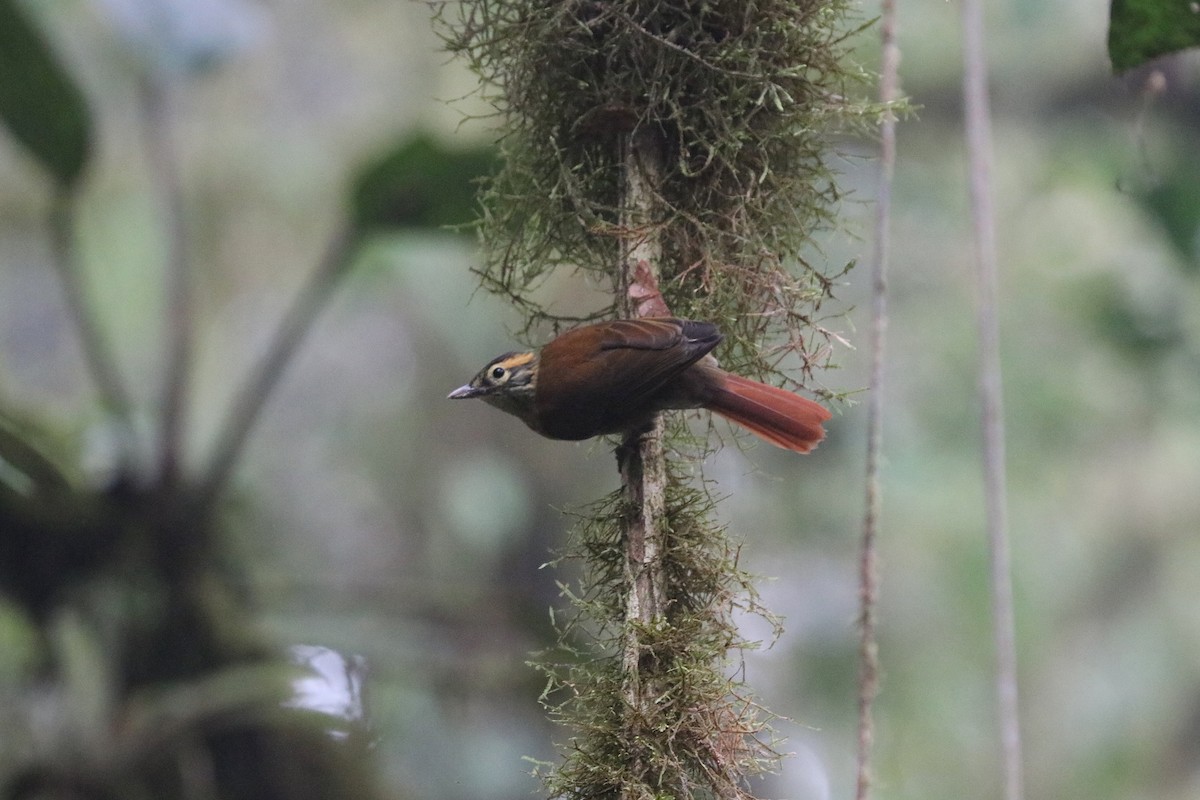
(498, 373)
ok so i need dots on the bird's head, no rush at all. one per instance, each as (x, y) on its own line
(507, 382)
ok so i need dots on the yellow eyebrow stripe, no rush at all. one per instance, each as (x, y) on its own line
(515, 360)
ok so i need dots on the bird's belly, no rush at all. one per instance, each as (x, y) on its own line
(574, 418)
(597, 420)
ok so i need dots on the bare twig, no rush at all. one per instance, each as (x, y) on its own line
(97, 353)
(979, 154)
(643, 472)
(162, 161)
(868, 682)
(296, 322)
(641, 458)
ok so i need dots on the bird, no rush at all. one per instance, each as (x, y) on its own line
(612, 377)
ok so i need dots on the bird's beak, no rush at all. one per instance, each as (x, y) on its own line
(463, 392)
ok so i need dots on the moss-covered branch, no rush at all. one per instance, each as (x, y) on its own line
(703, 735)
(686, 139)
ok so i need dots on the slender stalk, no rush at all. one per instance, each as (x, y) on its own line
(162, 160)
(97, 353)
(643, 472)
(868, 649)
(642, 458)
(293, 327)
(979, 154)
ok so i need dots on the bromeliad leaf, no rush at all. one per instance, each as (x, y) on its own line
(39, 103)
(1139, 30)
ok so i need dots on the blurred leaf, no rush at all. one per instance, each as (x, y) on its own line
(20, 645)
(23, 469)
(421, 184)
(1139, 327)
(50, 532)
(88, 678)
(40, 104)
(1139, 30)
(1175, 202)
(161, 716)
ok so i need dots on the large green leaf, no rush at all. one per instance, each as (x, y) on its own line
(421, 184)
(1140, 30)
(40, 104)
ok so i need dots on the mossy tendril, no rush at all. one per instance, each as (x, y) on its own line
(706, 735)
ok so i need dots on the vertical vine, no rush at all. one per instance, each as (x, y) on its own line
(642, 457)
(977, 124)
(868, 567)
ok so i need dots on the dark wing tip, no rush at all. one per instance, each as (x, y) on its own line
(701, 333)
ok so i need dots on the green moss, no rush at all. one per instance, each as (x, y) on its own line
(704, 735)
(740, 97)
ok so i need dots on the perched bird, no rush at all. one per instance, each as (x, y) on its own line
(612, 377)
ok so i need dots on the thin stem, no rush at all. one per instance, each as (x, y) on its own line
(293, 327)
(97, 353)
(162, 161)
(641, 458)
(868, 649)
(979, 154)
(642, 461)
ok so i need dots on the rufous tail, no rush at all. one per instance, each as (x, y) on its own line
(780, 417)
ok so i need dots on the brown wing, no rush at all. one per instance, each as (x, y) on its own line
(605, 378)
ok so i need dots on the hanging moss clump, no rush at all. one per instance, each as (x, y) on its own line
(704, 735)
(742, 98)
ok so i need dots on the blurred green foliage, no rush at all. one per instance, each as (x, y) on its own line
(1174, 199)
(39, 102)
(421, 183)
(1140, 30)
(136, 669)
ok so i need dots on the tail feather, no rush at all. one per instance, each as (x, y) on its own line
(780, 417)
